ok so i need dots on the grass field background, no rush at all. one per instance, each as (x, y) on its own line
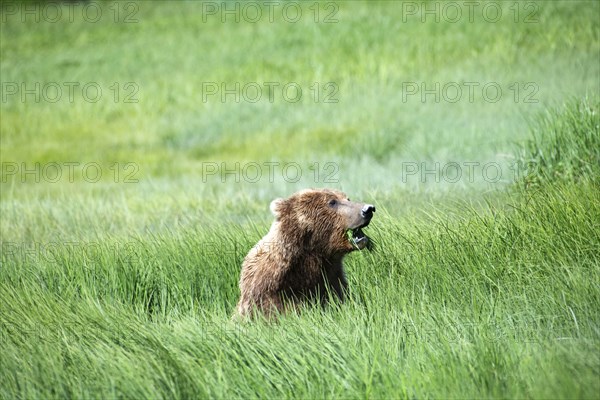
(484, 284)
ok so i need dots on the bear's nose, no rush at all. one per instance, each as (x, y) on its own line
(367, 210)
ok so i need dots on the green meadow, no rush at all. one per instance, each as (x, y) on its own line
(141, 145)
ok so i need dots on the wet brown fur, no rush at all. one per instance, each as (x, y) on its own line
(300, 258)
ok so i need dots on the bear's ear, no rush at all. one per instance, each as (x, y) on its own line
(276, 207)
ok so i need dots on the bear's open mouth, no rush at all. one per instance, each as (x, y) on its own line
(357, 238)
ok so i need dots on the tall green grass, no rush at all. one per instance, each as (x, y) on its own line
(565, 145)
(501, 303)
(476, 289)
(369, 54)
(494, 301)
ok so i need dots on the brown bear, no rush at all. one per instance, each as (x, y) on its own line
(300, 258)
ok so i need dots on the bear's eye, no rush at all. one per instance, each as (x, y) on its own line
(332, 202)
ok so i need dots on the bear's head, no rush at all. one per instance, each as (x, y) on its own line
(323, 221)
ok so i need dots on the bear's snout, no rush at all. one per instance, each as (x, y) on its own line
(367, 211)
